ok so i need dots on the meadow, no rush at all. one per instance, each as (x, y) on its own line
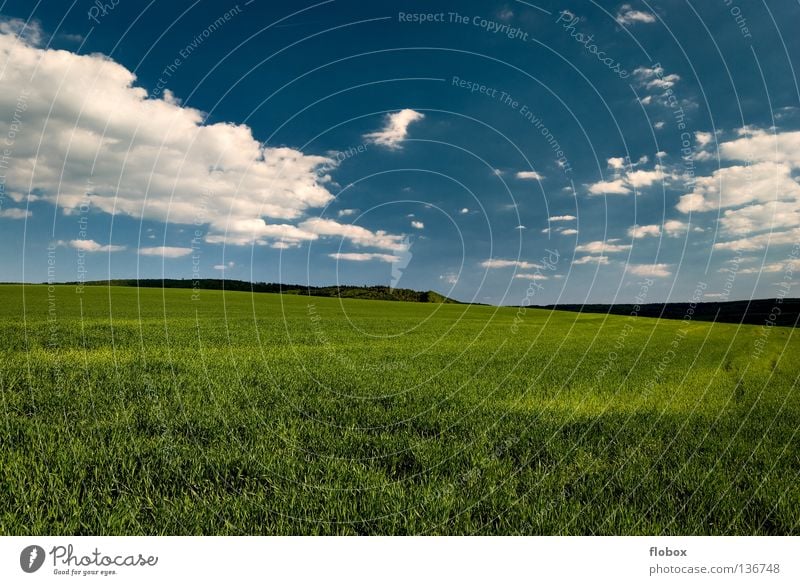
(145, 411)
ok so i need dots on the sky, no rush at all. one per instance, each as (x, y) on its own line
(497, 152)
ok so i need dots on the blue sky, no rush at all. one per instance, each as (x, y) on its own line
(508, 152)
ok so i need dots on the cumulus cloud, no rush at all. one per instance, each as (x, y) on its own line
(568, 232)
(395, 129)
(165, 251)
(674, 228)
(563, 218)
(627, 15)
(644, 231)
(654, 270)
(347, 212)
(498, 263)
(529, 176)
(591, 260)
(655, 77)
(417, 225)
(601, 247)
(92, 137)
(758, 191)
(629, 177)
(364, 257)
(92, 246)
(15, 213)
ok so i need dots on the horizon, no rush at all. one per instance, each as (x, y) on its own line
(340, 285)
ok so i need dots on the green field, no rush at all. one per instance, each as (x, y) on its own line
(128, 411)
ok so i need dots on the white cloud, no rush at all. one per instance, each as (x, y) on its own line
(15, 213)
(761, 241)
(90, 129)
(615, 187)
(529, 176)
(654, 270)
(497, 263)
(449, 277)
(395, 130)
(654, 77)
(365, 257)
(347, 212)
(92, 246)
(591, 260)
(563, 218)
(644, 231)
(530, 276)
(601, 247)
(627, 15)
(29, 32)
(740, 184)
(520, 227)
(358, 235)
(464, 211)
(165, 251)
(787, 266)
(616, 162)
(568, 232)
(418, 225)
(674, 228)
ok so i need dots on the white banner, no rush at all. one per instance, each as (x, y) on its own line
(400, 560)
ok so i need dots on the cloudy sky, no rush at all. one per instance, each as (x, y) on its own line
(509, 152)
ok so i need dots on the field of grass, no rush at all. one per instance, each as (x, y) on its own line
(128, 411)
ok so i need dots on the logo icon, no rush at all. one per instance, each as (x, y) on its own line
(31, 558)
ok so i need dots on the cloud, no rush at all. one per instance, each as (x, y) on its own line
(520, 227)
(395, 130)
(563, 218)
(92, 135)
(568, 232)
(364, 257)
(615, 187)
(738, 185)
(417, 225)
(165, 251)
(230, 264)
(627, 15)
(789, 266)
(758, 193)
(531, 276)
(654, 270)
(761, 241)
(674, 228)
(644, 231)
(654, 78)
(347, 212)
(529, 176)
(29, 32)
(464, 211)
(591, 260)
(360, 236)
(449, 277)
(15, 213)
(629, 178)
(497, 263)
(92, 246)
(601, 247)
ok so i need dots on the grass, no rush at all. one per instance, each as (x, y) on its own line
(130, 411)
